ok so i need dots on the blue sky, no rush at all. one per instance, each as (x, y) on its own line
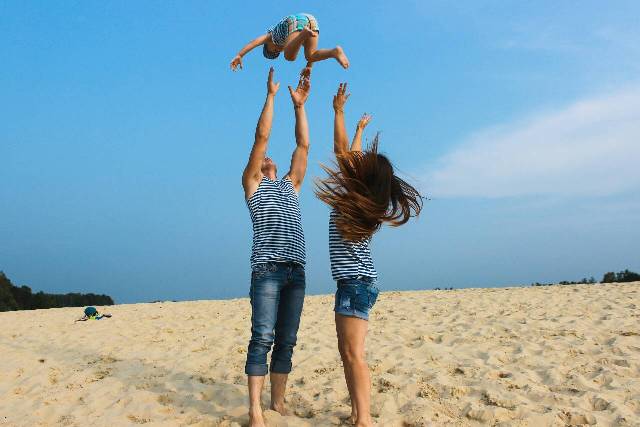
(124, 135)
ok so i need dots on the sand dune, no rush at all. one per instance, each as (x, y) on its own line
(560, 355)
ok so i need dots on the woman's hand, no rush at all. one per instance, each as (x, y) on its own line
(341, 97)
(272, 88)
(364, 121)
(236, 63)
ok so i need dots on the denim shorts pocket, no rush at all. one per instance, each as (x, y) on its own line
(373, 295)
(360, 298)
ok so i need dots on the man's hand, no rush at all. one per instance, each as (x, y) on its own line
(272, 88)
(300, 95)
(364, 121)
(236, 63)
(341, 97)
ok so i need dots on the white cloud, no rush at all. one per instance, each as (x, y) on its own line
(591, 147)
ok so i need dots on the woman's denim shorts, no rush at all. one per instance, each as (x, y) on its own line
(356, 296)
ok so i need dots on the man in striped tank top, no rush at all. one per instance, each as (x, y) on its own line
(278, 254)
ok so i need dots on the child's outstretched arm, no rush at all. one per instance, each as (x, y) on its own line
(340, 138)
(356, 145)
(258, 41)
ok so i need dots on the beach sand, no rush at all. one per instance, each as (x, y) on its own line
(558, 355)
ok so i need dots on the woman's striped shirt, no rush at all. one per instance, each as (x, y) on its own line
(277, 223)
(348, 258)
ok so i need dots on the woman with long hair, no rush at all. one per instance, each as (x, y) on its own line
(364, 193)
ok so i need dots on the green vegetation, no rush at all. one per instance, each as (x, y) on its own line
(623, 276)
(610, 277)
(21, 298)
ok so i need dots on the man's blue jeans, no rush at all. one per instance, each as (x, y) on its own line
(277, 296)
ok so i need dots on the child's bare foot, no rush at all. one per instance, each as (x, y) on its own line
(339, 55)
(280, 408)
(255, 418)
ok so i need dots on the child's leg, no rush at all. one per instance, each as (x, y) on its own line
(314, 55)
(294, 42)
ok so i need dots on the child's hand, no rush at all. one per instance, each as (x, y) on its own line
(236, 62)
(341, 97)
(272, 87)
(300, 95)
(364, 121)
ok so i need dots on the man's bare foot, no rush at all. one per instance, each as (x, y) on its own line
(339, 55)
(255, 418)
(280, 408)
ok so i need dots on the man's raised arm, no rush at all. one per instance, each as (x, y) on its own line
(299, 157)
(252, 174)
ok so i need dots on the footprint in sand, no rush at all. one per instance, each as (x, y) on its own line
(492, 399)
(574, 419)
(301, 406)
(599, 404)
(138, 420)
(385, 386)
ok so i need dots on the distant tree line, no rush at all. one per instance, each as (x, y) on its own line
(609, 277)
(623, 276)
(22, 298)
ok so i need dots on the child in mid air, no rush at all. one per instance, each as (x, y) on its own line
(289, 35)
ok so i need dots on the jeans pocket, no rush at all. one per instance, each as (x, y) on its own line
(259, 271)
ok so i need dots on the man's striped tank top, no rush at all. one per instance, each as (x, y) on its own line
(277, 223)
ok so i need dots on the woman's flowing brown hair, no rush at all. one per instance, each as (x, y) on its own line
(366, 193)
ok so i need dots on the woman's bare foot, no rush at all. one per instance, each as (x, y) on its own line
(364, 422)
(280, 408)
(339, 55)
(351, 419)
(255, 418)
